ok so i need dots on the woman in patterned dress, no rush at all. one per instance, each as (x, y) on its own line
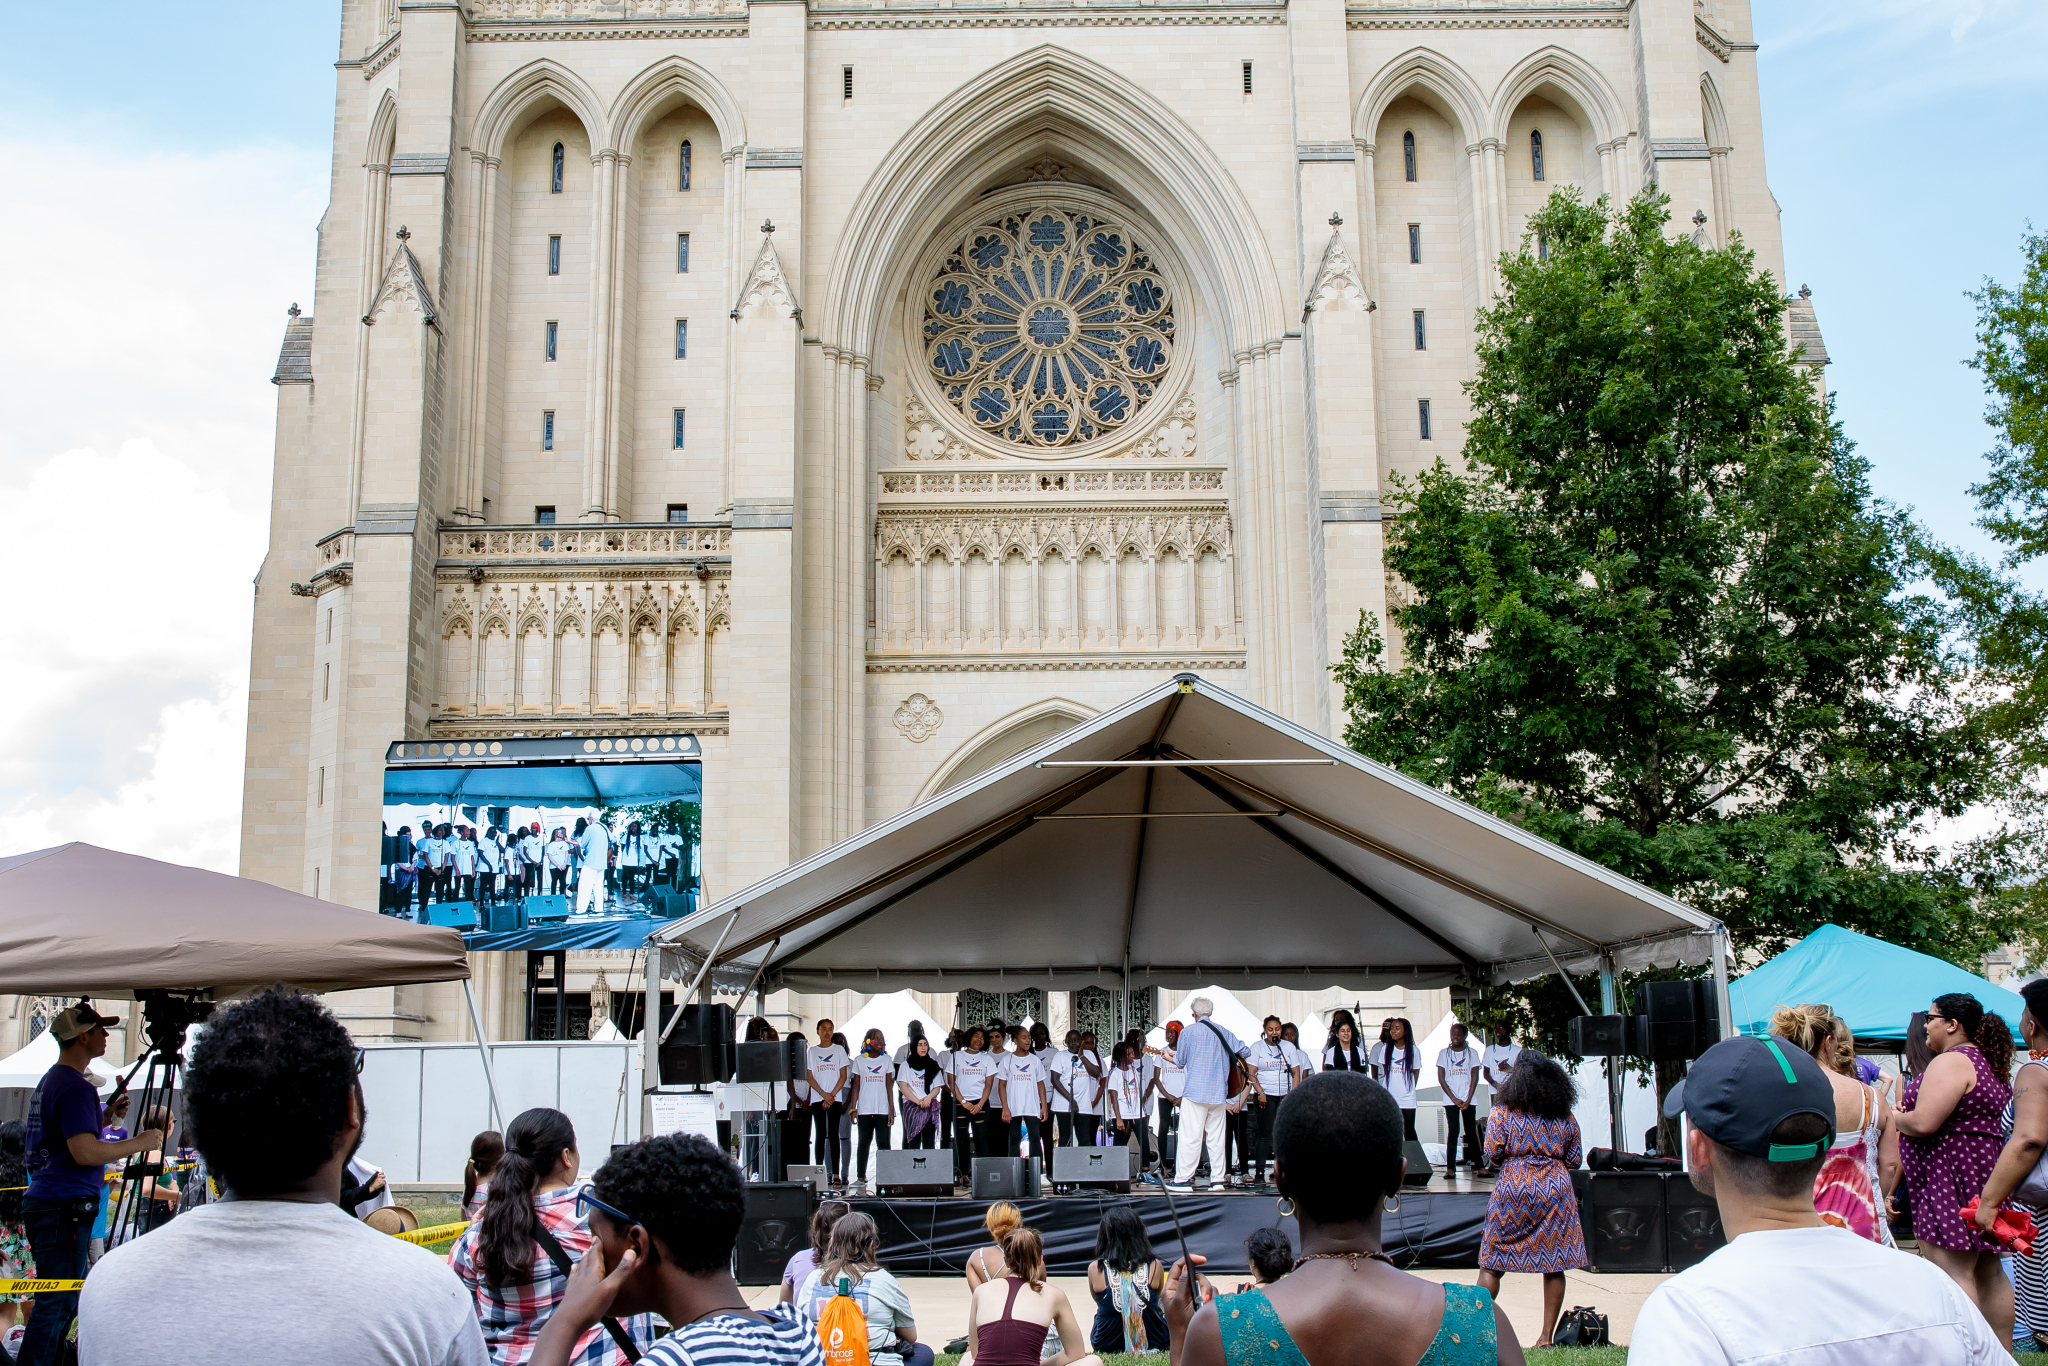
(1953, 1140)
(2026, 1130)
(1862, 1166)
(17, 1259)
(1532, 1217)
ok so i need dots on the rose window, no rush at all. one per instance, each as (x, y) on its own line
(1048, 327)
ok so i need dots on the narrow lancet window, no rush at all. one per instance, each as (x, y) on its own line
(555, 185)
(1408, 154)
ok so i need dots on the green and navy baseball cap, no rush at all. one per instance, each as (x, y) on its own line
(1739, 1091)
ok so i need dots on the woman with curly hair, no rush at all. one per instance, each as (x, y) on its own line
(1862, 1166)
(1950, 1118)
(1532, 1216)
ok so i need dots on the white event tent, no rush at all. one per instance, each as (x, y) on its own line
(1187, 837)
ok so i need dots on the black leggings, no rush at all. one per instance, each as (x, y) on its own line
(871, 1127)
(825, 1143)
(1408, 1125)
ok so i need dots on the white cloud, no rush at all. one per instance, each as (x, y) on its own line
(1877, 56)
(145, 315)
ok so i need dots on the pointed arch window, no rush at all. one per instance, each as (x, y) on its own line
(555, 184)
(1408, 153)
(1536, 152)
(683, 176)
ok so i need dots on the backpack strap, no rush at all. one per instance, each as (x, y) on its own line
(560, 1257)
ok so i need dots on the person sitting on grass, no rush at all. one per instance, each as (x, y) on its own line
(666, 1212)
(1125, 1279)
(1337, 1147)
(1270, 1254)
(1008, 1319)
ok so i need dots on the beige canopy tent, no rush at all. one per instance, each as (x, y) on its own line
(1184, 838)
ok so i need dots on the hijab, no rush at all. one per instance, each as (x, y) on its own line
(927, 1066)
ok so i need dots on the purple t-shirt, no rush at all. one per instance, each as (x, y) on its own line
(65, 1103)
(800, 1266)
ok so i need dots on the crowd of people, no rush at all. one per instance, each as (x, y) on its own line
(1005, 1090)
(451, 862)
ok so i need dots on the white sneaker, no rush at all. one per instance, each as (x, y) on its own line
(1180, 1188)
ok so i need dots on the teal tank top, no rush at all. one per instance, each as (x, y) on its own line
(1254, 1336)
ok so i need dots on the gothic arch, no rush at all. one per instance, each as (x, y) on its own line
(1004, 739)
(1713, 114)
(1578, 82)
(383, 131)
(1431, 77)
(647, 92)
(1049, 101)
(517, 97)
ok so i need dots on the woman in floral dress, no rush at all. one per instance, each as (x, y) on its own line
(1532, 1217)
(16, 1260)
(1951, 1125)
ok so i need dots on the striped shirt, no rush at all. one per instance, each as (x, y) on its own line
(1207, 1060)
(734, 1340)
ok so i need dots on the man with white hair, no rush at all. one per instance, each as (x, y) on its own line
(1207, 1051)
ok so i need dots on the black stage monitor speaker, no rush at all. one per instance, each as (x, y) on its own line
(915, 1171)
(759, 1062)
(1601, 1036)
(701, 1049)
(456, 915)
(1112, 1168)
(1624, 1214)
(1002, 1178)
(503, 915)
(1419, 1170)
(776, 1226)
(543, 910)
(1692, 1224)
(1684, 1018)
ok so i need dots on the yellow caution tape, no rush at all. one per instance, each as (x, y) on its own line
(438, 1233)
(28, 1287)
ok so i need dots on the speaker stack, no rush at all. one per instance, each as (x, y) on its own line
(776, 1226)
(702, 1049)
(1645, 1221)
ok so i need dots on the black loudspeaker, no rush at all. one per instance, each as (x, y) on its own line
(1601, 1036)
(1003, 1178)
(1623, 1213)
(915, 1171)
(502, 915)
(1692, 1224)
(1110, 1168)
(701, 1050)
(1419, 1170)
(1684, 1018)
(759, 1062)
(776, 1226)
(543, 910)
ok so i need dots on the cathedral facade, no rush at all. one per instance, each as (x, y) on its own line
(872, 388)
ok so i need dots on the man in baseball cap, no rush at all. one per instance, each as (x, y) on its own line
(1789, 1286)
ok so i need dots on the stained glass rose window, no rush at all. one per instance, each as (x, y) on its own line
(1048, 327)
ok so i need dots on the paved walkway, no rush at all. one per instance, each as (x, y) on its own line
(940, 1303)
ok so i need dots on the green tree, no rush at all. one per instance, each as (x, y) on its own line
(1659, 618)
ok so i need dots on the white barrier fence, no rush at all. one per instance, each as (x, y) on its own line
(426, 1101)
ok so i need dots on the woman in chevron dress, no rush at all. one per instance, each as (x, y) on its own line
(1532, 1217)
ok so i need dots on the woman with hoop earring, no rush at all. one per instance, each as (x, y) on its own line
(1532, 1216)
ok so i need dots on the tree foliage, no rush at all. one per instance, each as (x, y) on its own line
(1658, 617)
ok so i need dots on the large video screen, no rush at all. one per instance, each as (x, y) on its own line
(561, 843)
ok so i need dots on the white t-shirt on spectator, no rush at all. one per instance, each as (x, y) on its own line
(828, 1065)
(1498, 1060)
(1458, 1066)
(1810, 1297)
(1394, 1075)
(872, 1078)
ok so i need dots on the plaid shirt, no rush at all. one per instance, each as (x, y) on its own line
(513, 1315)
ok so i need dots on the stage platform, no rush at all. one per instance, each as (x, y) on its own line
(1437, 1226)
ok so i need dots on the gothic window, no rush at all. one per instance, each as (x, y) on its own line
(555, 255)
(1414, 244)
(1048, 327)
(555, 185)
(1536, 153)
(682, 338)
(1408, 154)
(1421, 336)
(551, 340)
(544, 516)
(1422, 415)
(683, 176)
(679, 429)
(547, 434)
(682, 253)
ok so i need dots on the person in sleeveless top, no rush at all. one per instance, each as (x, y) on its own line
(1125, 1279)
(1338, 1154)
(986, 1264)
(2026, 1136)
(1953, 1142)
(1856, 1178)
(1008, 1319)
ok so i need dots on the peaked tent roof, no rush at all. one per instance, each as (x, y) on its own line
(1873, 985)
(1030, 874)
(78, 918)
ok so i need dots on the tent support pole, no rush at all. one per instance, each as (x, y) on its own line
(1562, 975)
(1137, 881)
(702, 973)
(1722, 955)
(1610, 1004)
(483, 1049)
(761, 972)
(650, 1022)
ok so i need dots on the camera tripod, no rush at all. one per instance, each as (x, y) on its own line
(166, 1016)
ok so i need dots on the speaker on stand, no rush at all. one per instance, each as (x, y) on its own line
(776, 1226)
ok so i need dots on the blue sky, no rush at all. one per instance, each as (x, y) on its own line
(178, 173)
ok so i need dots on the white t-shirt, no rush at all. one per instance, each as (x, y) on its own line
(1173, 1078)
(558, 853)
(1022, 1074)
(1087, 1090)
(491, 853)
(1275, 1068)
(908, 1073)
(1398, 1080)
(1127, 1090)
(1297, 1058)
(882, 1300)
(828, 1065)
(971, 1073)
(872, 1078)
(256, 1280)
(1498, 1059)
(1458, 1066)
(1856, 1304)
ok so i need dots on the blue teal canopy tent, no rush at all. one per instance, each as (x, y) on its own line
(1873, 985)
(546, 784)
